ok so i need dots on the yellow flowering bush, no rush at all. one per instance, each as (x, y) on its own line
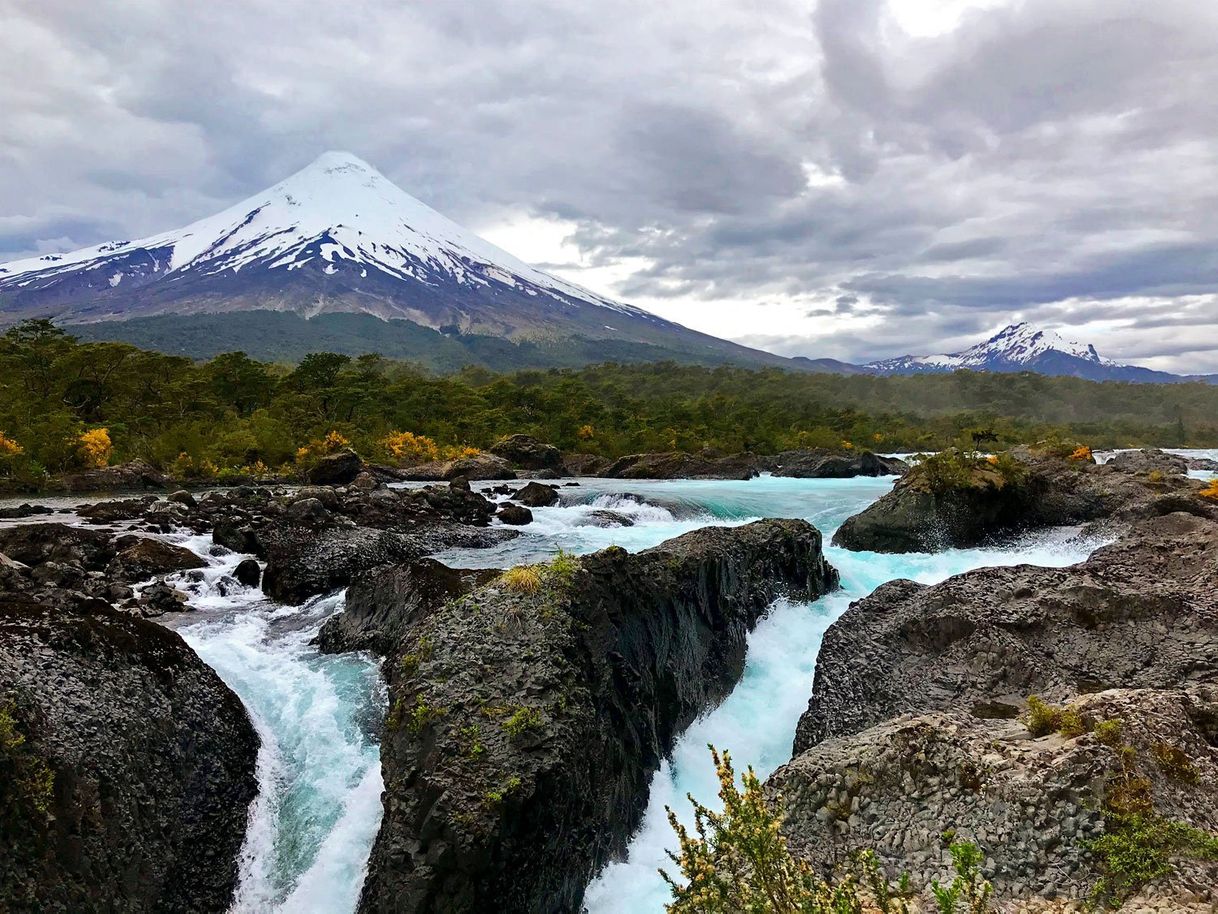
(409, 448)
(1083, 453)
(95, 447)
(586, 433)
(1211, 490)
(458, 451)
(9, 447)
(332, 443)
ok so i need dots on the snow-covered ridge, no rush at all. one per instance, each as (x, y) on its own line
(338, 209)
(1018, 344)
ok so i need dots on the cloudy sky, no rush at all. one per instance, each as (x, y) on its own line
(844, 178)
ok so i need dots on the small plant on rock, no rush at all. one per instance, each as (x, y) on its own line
(738, 861)
(522, 579)
(968, 893)
(522, 721)
(1210, 491)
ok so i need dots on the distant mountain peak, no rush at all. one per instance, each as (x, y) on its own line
(1022, 343)
(338, 213)
(1023, 347)
(339, 238)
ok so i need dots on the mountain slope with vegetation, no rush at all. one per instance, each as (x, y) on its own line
(58, 394)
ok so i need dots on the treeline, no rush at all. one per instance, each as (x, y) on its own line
(232, 412)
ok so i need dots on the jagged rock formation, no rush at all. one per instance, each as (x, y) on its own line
(382, 603)
(528, 715)
(926, 513)
(681, 465)
(909, 786)
(528, 453)
(60, 562)
(127, 765)
(822, 464)
(1140, 613)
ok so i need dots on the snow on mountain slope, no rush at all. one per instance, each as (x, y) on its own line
(1013, 346)
(337, 214)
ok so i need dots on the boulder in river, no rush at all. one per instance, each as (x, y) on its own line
(137, 474)
(336, 469)
(681, 465)
(128, 765)
(514, 515)
(819, 464)
(954, 500)
(536, 495)
(478, 467)
(528, 716)
(527, 452)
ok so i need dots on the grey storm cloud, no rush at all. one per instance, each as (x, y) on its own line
(1051, 159)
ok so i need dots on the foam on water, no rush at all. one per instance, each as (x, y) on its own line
(757, 721)
(318, 807)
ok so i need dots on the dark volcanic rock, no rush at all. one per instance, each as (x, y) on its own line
(24, 510)
(383, 601)
(1141, 613)
(303, 562)
(527, 452)
(1148, 460)
(141, 557)
(336, 469)
(514, 515)
(134, 475)
(527, 722)
(248, 572)
(922, 513)
(151, 761)
(483, 466)
(680, 465)
(237, 538)
(537, 495)
(584, 464)
(825, 465)
(604, 518)
(33, 544)
(119, 509)
(1031, 804)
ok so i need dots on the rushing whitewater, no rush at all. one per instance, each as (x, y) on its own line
(319, 776)
(318, 808)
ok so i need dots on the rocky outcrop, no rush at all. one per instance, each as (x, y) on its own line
(576, 464)
(136, 474)
(1147, 460)
(822, 464)
(479, 467)
(303, 562)
(536, 495)
(680, 465)
(127, 765)
(527, 452)
(383, 602)
(529, 715)
(1140, 613)
(337, 469)
(63, 563)
(908, 787)
(943, 503)
(514, 515)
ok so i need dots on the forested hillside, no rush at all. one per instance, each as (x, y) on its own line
(232, 412)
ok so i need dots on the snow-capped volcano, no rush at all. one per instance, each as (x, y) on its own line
(336, 237)
(1022, 347)
(1016, 345)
